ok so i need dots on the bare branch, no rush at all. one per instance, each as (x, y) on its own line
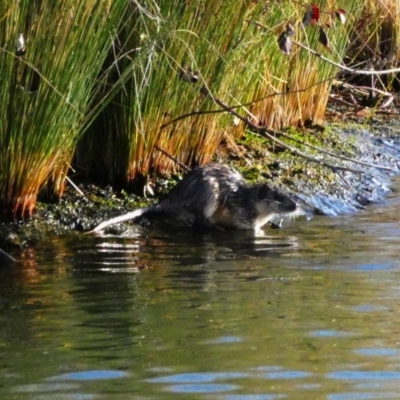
(174, 159)
(341, 66)
(220, 110)
(262, 131)
(329, 153)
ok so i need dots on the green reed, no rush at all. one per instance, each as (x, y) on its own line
(114, 70)
(46, 91)
(238, 62)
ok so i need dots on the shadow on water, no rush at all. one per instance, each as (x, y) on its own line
(309, 311)
(188, 246)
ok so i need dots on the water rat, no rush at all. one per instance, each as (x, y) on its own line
(216, 195)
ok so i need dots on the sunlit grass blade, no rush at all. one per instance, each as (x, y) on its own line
(46, 91)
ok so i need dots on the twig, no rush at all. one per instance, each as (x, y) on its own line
(192, 113)
(329, 153)
(172, 158)
(345, 102)
(74, 186)
(264, 132)
(297, 152)
(363, 89)
(329, 61)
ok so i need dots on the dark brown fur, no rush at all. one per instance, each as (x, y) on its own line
(217, 195)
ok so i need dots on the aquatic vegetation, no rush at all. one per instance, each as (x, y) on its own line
(177, 52)
(114, 86)
(51, 56)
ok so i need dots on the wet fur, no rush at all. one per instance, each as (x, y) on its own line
(216, 195)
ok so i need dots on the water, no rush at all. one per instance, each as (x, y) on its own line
(308, 312)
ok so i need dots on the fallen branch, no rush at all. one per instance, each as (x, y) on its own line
(329, 153)
(363, 89)
(170, 156)
(193, 113)
(366, 91)
(263, 131)
(297, 152)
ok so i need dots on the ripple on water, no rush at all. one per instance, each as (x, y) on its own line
(66, 396)
(253, 396)
(372, 267)
(89, 375)
(225, 340)
(361, 396)
(326, 333)
(377, 352)
(364, 375)
(45, 387)
(198, 377)
(368, 308)
(199, 382)
(278, 375)
(202, 388)
(267, 368)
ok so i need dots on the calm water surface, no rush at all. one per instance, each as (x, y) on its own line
(311, 311)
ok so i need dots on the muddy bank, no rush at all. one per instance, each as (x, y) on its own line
(345, 191)
(320, 189)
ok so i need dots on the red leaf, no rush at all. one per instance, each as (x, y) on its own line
(314, 14)
(284, 43)
(311, 15)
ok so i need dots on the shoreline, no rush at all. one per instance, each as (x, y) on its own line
(325, 191)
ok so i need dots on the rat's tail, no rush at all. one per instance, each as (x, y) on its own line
(126, 217)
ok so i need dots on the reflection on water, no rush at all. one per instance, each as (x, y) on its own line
(310, 311)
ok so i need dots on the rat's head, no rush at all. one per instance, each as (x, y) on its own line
(273, 203)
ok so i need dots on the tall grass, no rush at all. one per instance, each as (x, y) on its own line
(238, 62)
(45, 93)
(309, 78)
(127, 59)
(375, 42)
(166, 40)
